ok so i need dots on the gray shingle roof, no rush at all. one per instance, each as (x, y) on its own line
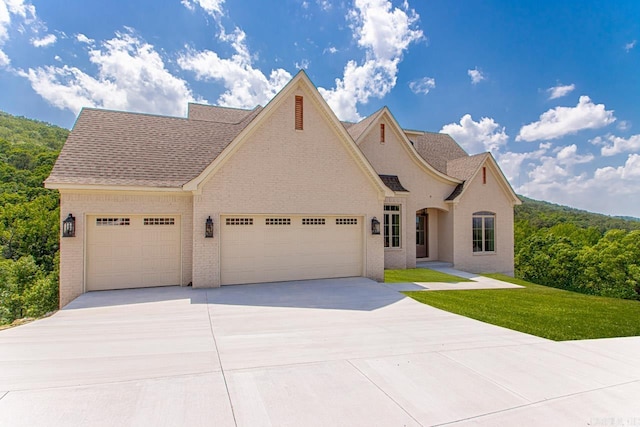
(393, 182)
(356, 129)
(118, 148)
(437, 149)
(463, 168)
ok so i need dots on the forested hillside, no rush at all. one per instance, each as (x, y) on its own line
(577, 250)
(29, 217)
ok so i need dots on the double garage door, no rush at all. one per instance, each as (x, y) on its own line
(133, 251)
(271, 248)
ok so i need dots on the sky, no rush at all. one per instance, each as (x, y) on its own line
(550, 88)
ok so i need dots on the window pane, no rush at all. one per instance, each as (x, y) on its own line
(395, 220)
(489, 231)
(477, 234)
(386, 230)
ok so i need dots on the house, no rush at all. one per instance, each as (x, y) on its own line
(285, 192)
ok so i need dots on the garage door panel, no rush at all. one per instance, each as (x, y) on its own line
(263, 248)
(132, 251)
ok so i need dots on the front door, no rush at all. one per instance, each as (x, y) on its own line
(422, 247)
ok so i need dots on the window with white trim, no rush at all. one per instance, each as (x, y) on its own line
(391, 226)
(112, 221)
(484, 232)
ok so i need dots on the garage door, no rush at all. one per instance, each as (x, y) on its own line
(132, 251)
(263, 248)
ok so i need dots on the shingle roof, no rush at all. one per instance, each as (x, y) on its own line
(393, 182)
(118, 148)
(463, 168)
(437, 149)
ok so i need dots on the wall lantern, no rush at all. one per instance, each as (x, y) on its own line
(375, 226)
(69, 226)
(208, 227)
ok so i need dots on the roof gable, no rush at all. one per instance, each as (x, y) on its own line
(367, 125)
(300, 80)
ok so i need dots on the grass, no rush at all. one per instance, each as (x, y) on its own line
(420, 275)
(540, 310)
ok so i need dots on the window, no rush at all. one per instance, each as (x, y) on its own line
(239, 221)
(381, 132)
(484, 175)
(313, 221)
(484, 232)
(346, 221)
(277, 221)
(299, 113)
(159, 221)
(112, 221)
(391, 226)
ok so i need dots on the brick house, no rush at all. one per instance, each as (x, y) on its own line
(285, 192)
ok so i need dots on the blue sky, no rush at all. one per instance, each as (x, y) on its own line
(551, 88)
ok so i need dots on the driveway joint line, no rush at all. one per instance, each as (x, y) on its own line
(215, 344)
(385, 393)
(538, 402)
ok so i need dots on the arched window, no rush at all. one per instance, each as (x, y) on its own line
(484, 231)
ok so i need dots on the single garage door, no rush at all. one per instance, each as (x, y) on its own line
(132, 251)
(270, 248)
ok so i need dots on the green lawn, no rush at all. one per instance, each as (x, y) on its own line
(420, 275)
(539, 310)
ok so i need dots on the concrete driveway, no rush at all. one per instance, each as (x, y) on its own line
(344, 352)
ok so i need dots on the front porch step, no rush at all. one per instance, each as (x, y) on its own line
(433, 264)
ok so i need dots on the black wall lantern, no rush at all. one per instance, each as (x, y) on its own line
(69, 226)
(375, 226)
(208, 227)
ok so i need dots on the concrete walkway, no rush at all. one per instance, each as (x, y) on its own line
(348, 352)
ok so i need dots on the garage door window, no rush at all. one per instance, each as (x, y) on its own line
(277, 221)
(112, 221)
(159, 221)
(239, 221)
(313, 221)
(346, 221)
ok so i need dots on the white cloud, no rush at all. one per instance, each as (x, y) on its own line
(511, 162)
(624, 125)
(476, 137)
(131, 76)
(45, 41)
(4, 59)
(630, 45)
(384, 33)
(84, 39)
(324, 4)
(560, 91)
(476, 76)
(630, 173)
(612, 145)
(423, 85)
(245, 85)
(560, 121)
(330, 49)
(212, 7)
(302, 65)
(10, 9)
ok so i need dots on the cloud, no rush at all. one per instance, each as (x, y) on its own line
(45, 41)
(423, 85)
(384, 33)
(560, 91)
(4, 59)
(324, 5)
(630, 45)
(623, 125)
(630, 173)
(302, 65)
(560, 121)
(330, 49)
(245, 85)
(476, 76)
(612, 145)
(511, 163)
(477, 137)
(131, 76)
(212, 7)
(10, 9)
(84, 39)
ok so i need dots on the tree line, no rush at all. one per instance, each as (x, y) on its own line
(577, 250)
(29, 218)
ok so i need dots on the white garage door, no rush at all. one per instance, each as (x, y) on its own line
(264, 248)
(132, 251)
